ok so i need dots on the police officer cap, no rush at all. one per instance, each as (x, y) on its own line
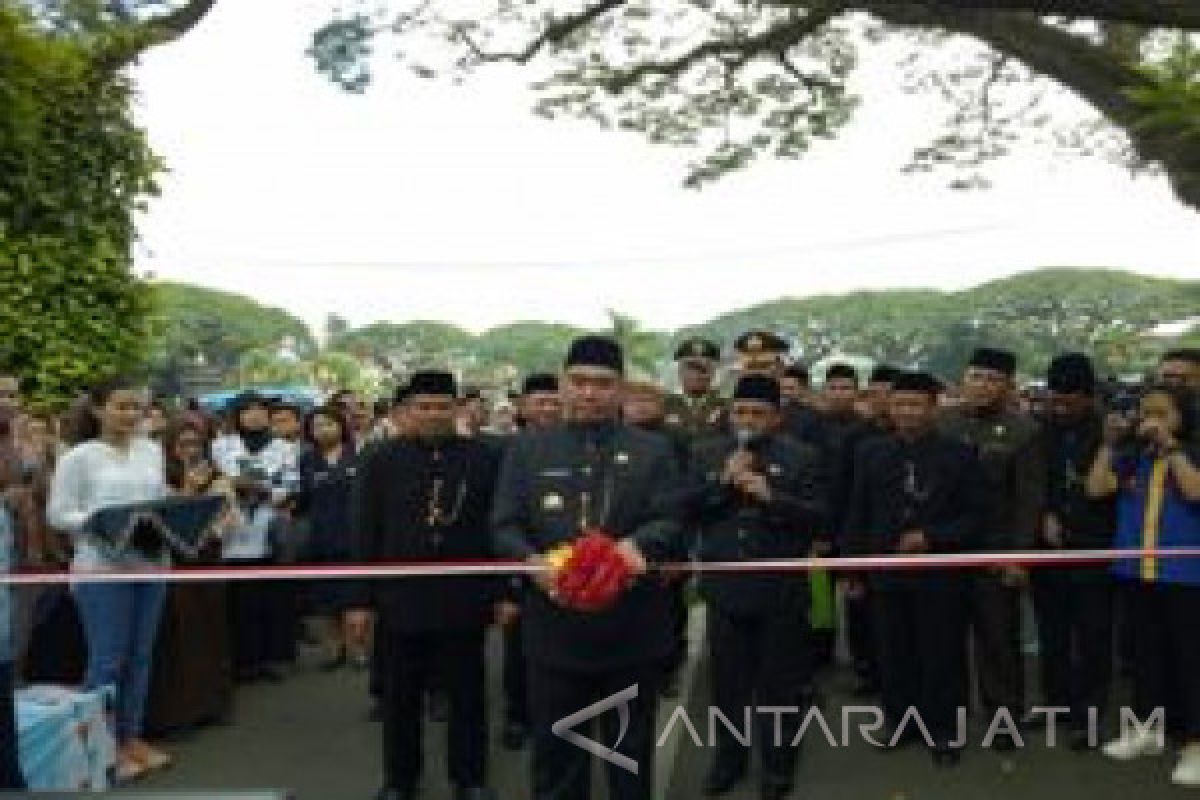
(1071, 373)
(991, 358)
(916, 382)
(697, 348)
(540, 382)
(762, 388)
(757, 342)
(596, 351)
(435, 382)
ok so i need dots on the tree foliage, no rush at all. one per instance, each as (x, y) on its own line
(1102, 312)
(206, 327)
(772, 77)
(1109, 314)
(73, 169)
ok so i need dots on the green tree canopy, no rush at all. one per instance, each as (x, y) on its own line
(772, 77)
(73, 169)
(215, 328)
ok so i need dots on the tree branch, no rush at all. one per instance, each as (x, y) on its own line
(1176, 14)
(555, 32)
(1092, 71)
(158, 31)
(775, 41)
(1088, 70)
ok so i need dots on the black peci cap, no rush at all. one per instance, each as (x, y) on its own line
(596, 351)
(992, 358)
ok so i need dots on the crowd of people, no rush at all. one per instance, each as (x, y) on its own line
(891, 463)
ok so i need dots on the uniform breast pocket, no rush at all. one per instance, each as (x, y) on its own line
(554, 502)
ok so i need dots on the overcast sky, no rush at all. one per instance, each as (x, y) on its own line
(425, 201)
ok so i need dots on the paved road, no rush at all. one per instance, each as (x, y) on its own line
(311, 734)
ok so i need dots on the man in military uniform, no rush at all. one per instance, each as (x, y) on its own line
(760, 351)
(643, 406)
(699, 410)
(916, 491)
(755, 494)
(593, 473)
(1074, 605)
(539, 408)
(427, 498)
(1013, 468)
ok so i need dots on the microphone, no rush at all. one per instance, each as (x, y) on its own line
(744, 437)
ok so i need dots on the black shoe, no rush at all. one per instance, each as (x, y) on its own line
(670, 689)
(514, 735)
(270, 674)
(946, 756)
(246, 675)
(376, 712)
(474, 793)
(722, 778)
(865, 687)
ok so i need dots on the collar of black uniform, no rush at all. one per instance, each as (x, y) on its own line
(986, 413)
(597, 433)
(923, 439)
(439, 442)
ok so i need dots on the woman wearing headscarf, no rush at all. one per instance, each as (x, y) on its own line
(192, 679)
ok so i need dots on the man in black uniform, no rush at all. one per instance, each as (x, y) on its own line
(843, 430)
(1074, 605)
(795, 384)
(1012, 466)
(539, 408)
(875, 398)
(764, 352)
(428, 498)
(860, 614)
(592, 473)
(756, 494)
(917, 491)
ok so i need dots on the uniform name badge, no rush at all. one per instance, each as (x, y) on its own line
(621, 457)
(552, 502)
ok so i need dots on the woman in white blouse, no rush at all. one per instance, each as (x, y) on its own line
(112, 465)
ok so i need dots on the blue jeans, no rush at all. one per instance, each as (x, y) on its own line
(120, 621)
